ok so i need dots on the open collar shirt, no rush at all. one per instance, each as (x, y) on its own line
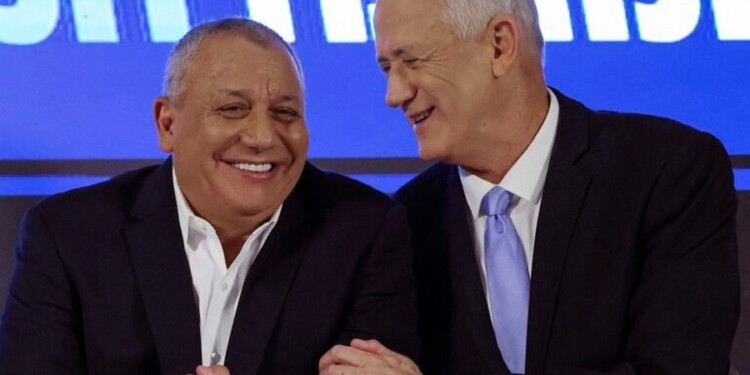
(216, 287)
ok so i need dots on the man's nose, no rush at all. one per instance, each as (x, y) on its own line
(257, 132)
(399, 90)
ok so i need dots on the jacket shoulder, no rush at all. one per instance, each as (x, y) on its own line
(426, 186)
(647, 140)
(118, 192)
(622, 141)
(332, 190)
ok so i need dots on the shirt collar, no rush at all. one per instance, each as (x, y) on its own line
(526, 177)
(186, 215)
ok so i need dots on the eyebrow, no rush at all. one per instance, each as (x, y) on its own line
(398, 53)
(286, 98)
(232, 92)
(280, 99)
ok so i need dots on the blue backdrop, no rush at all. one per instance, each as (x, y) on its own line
(77, 77)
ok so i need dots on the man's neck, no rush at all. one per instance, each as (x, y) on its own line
(491, 157)
(232, 247)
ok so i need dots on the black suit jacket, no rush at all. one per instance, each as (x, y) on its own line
(102, 285)
(635, 260)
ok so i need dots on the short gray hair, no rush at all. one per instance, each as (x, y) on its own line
(183, 52)
(469, 18)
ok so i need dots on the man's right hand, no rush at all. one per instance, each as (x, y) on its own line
(365, 357)
(213, 370)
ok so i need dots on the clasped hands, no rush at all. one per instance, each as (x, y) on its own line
(365, 357)
(361, 357)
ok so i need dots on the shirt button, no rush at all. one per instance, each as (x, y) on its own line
(224, 286)
(215, 358)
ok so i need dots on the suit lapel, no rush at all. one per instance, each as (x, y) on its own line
(267, 283)
(467, 284)
(163, 273)
(564, 192)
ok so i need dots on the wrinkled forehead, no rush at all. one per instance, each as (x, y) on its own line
(230, 53)
(231, 65)
(401, 23)
(407, 12)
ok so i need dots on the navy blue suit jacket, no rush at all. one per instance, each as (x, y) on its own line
(102, 285)
(635, 259)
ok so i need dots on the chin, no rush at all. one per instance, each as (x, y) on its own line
(431, 153)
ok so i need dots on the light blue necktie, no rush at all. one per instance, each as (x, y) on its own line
(507, 279)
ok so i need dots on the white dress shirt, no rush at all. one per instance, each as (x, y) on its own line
(525, 180)
(216, 288)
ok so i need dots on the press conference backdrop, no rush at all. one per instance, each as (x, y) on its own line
(77, 80)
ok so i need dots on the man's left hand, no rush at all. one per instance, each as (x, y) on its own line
(365, 357)
(213, 370)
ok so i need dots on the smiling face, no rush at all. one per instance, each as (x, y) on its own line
(442, 83)
(237, 132)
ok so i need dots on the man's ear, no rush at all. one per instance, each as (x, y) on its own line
(164, 114)
(503, 35)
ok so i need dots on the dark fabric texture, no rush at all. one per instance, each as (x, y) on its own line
(635, 261)
(101, 283)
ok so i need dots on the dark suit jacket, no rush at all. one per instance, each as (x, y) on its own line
(102, 285)
(635, 260)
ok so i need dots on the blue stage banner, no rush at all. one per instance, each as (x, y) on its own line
(78, 77)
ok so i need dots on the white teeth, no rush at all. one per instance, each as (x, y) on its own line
(423, 115)
(265, 167)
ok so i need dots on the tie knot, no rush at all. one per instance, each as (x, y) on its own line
(496, 201)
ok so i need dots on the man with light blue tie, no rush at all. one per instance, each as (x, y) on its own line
(507, 278)
(549, 238)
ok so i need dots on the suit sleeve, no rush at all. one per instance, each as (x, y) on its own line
(685, 309)
(385, 305)
(40, 328)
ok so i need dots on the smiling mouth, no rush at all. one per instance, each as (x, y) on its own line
(255, 168)
(419, 117)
